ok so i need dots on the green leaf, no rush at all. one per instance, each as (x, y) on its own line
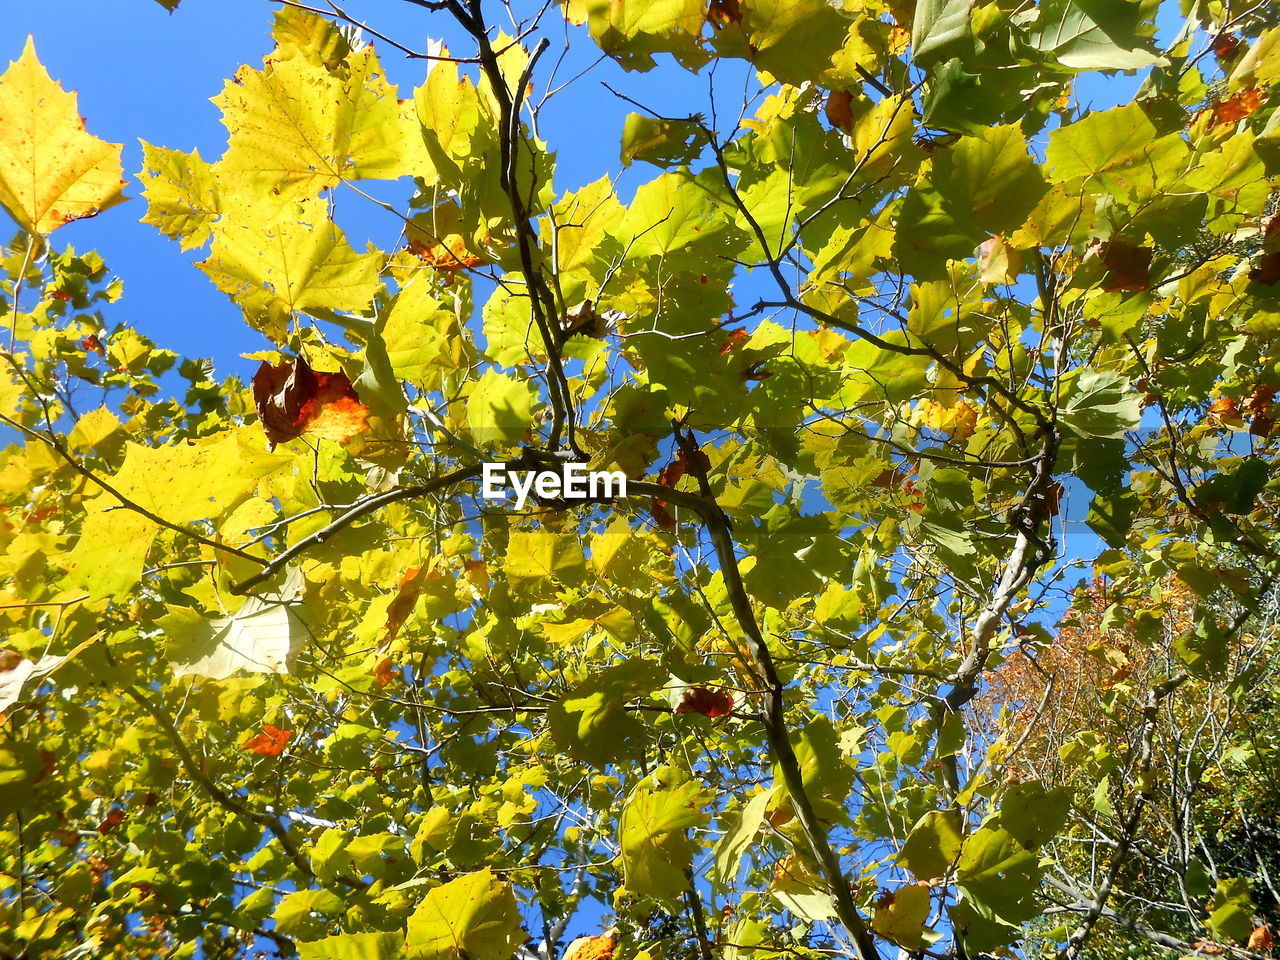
(474, 917)
(991, 175)
(354, 946)
(1101, 404)
(933, 844)
(1096, 34)
(736, 841)
(1205, 649)
(293, 914)
(592, 724)
(500, 409)
(999, 875)
(1232, 909)
(656, 850)
(664, 143)
(940, 30)
(1033, 813)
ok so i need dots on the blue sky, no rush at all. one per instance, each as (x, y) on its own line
(142, 73)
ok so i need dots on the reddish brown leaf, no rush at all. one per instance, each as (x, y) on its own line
(1261, 938)
(270, 742)
(292, 399)
(1226, 46)
(722, 13)
(383, 673)
(1128, 266)
(1237, 106)
(98, 866)
(709, 703)
(733, 341)
(91, 344)
(839, 110)
(111, 821)
(661, 515)
(681, 465)
(1266, 270)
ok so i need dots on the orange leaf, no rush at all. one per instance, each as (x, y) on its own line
(1237, 106)
(382, 673)
(270, 742)
(839, 110)
(400, 608)
(1261, 938)
(600, 947)
(709, 703)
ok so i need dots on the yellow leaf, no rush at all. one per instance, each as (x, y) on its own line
(52, 171)
(182, 194)
(274, 266)
(297, 129)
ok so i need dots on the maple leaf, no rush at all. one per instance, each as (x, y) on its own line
(113, 819)
(275, 263)
(709, 703)
(52, 170)
(683, 464)
(293, 400)
(270, 742)
(383, 673)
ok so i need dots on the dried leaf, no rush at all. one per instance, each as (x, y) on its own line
(293, 400)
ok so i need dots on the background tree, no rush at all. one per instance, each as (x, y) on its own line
(276, 679)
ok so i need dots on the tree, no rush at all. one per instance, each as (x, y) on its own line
(278, 678)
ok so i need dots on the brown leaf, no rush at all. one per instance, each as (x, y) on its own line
(91, 344)
(1128, 266)
(1225, 412)
(1266, 270)
(722, 13)
(292, 400)
(382, 673)
(398, 611)
(112, 820)
(661, 515)
(709, 703)
(1226, 47)
(839, 110)
(673, 472)
(270, 742)
(1261, 938)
